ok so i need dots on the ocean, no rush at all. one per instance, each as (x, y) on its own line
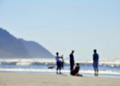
(109, 68)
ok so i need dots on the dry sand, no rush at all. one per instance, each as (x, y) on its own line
(32, 79)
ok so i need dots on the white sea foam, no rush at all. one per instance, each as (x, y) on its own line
(53, 70)
(25, 61)
(112, 63)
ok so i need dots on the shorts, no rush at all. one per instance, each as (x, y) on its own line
(95, 65)
(58, 65)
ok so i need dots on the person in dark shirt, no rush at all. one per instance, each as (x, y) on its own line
(72, 60)
(75, 72)
(95, 62)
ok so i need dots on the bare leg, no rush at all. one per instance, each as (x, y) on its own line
(94, 71)
(97, 71)
(60, 72)
(57, 71)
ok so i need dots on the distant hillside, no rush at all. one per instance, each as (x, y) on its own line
(36, 50)
(11, 47)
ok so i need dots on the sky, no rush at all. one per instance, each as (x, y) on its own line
(66, 25)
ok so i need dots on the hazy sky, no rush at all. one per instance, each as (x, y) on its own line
(65, 25)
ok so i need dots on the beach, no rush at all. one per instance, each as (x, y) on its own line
(37, 79)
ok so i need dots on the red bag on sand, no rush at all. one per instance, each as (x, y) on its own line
(78, 74)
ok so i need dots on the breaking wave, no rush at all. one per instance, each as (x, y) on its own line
(109, 63)
(42, 66)
(53, 70)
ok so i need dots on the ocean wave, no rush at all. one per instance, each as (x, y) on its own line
(109, 63)
(53, 70)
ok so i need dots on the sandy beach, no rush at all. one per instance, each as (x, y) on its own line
(32, 79)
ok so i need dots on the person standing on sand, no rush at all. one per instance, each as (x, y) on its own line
(95, 62)
(71, 60)
(58, 63)
(62, 62)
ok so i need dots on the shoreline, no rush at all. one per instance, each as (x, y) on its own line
(37, 79)
(65, 73)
